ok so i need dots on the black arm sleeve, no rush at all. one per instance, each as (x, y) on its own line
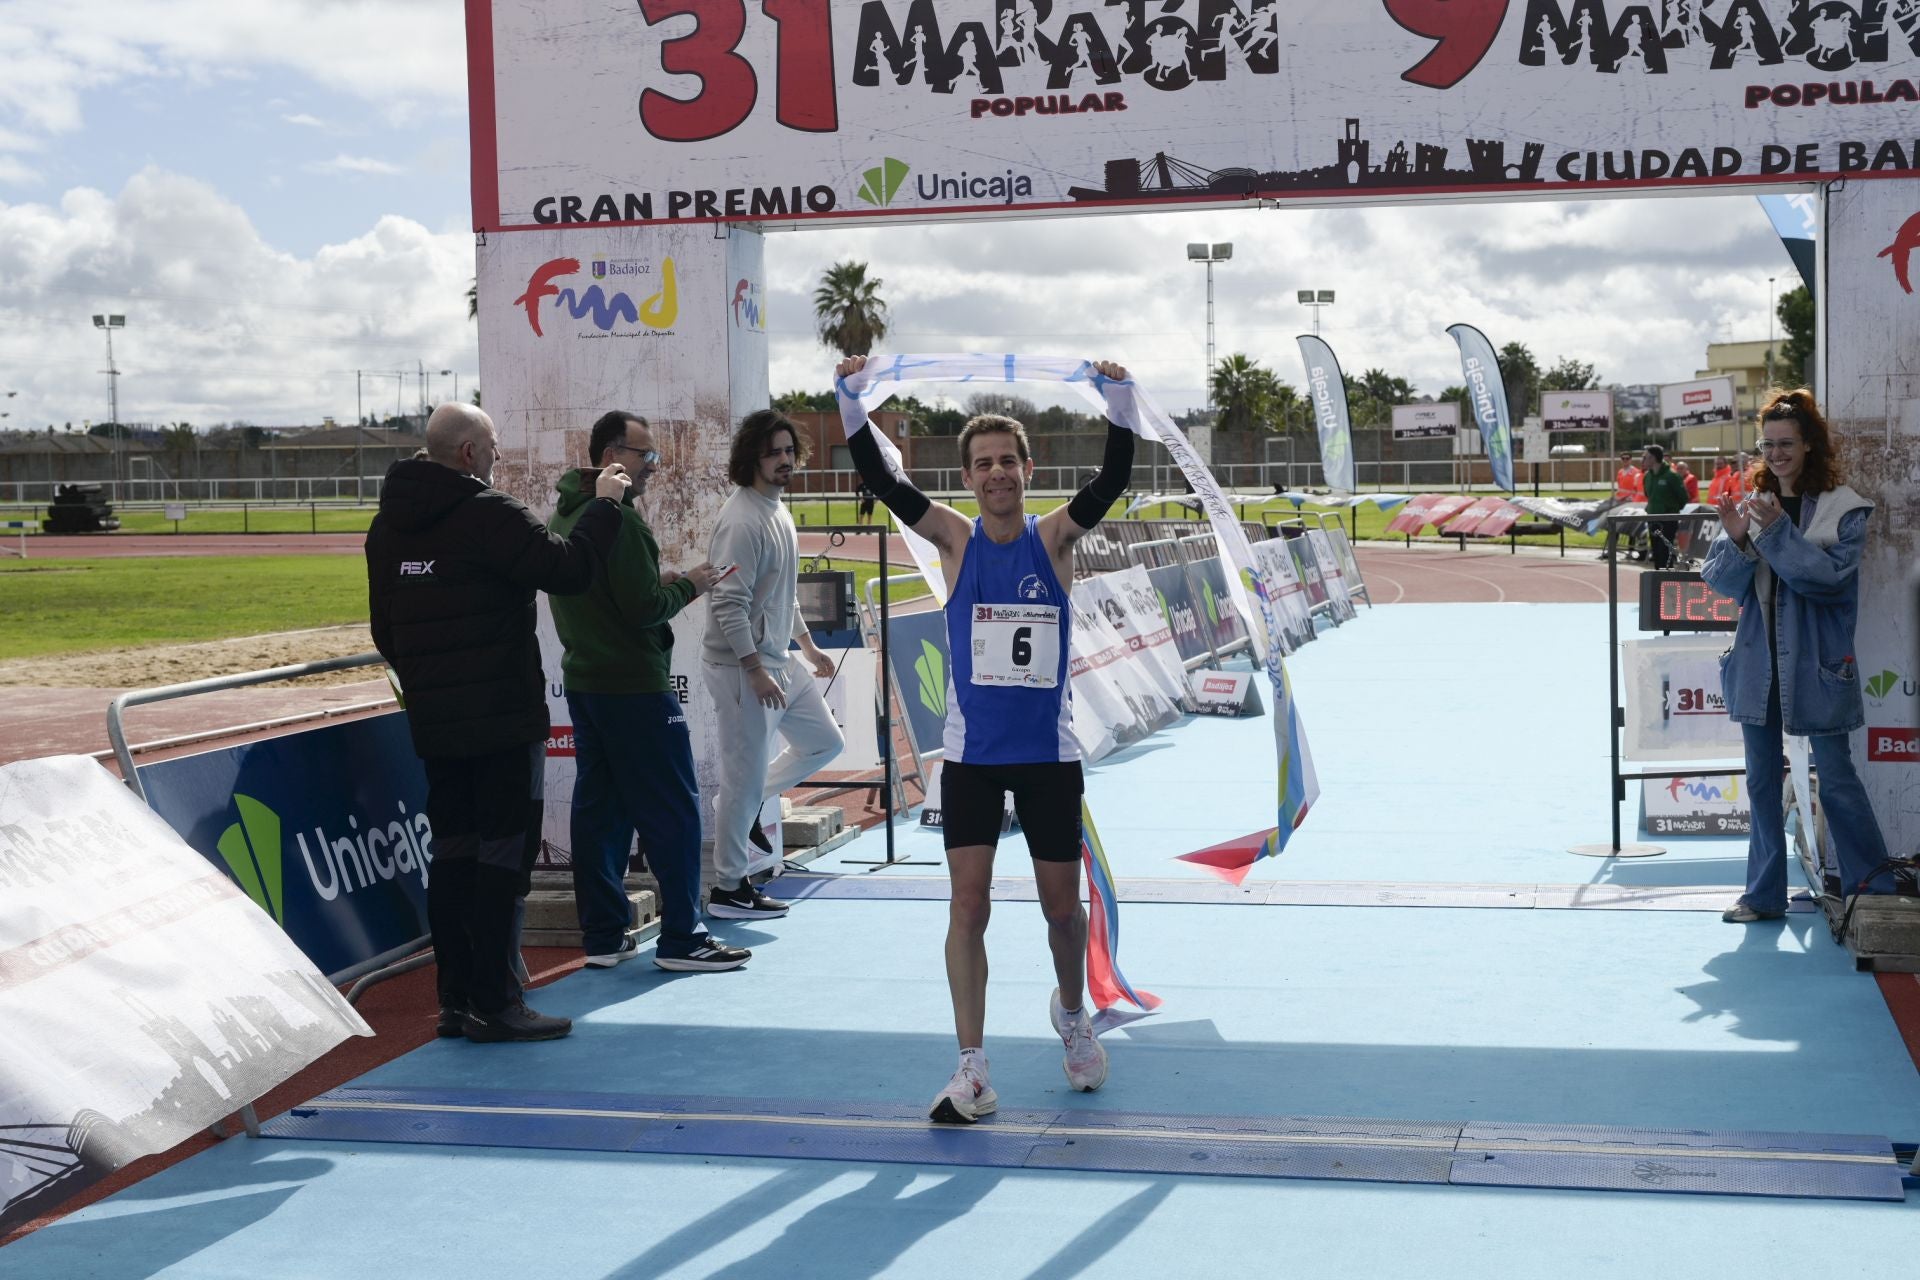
(559, 566)
(1116, 472)
(891, 488)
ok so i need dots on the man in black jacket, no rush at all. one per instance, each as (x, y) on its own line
(452, 568)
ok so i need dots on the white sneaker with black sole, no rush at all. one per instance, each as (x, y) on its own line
(627, 950)
(705, 954)
(744, 902)
(966, 1098)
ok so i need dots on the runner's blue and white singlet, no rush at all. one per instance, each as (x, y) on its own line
(1008, 632)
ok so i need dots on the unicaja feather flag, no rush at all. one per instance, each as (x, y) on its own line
(1487, 399)
(1329, 392)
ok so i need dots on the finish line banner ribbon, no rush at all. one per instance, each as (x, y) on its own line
(1128, 405)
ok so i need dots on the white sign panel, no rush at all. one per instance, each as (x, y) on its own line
(144, 996)
(1712, 804)
(1675, 709)
(1699, 403)
(1426, 421)
(1576, 410)
(585, 111)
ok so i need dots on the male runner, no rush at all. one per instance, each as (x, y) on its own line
(1009, 713)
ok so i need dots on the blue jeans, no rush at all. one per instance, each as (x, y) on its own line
(633, 761)
(1854, 831)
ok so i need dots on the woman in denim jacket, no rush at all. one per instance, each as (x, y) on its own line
(1790, 554)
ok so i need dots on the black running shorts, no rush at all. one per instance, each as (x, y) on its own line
(1046, 799)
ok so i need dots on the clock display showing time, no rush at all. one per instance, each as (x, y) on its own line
(1676, 600)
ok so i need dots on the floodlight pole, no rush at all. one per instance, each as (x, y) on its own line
(107, 324)
(1208, 254)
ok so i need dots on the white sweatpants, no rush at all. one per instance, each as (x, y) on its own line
(747, 778)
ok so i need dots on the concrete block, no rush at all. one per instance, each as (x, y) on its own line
(1885, 928)
(809, 825)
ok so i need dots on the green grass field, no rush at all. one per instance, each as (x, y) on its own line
(321, 518)
(76, 606)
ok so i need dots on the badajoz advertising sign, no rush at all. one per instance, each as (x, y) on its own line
(587, 112)
(325, 830)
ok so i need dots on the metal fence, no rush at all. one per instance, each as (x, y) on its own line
(255, 489)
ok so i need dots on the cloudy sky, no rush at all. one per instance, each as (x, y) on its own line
(274, 194)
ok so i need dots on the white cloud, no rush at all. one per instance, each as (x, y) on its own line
(346, 164)
(303, 119)
(220, 325)
(399, 54)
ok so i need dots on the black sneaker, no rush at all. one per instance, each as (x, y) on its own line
(452, 1023)
(744, 902)
(515, 1022)
(627, 950)
(705, 954)
(758, 835)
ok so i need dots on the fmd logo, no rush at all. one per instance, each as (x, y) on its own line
(749, 306)
(606, 312)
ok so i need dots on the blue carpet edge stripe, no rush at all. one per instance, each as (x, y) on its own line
(1733, 1162)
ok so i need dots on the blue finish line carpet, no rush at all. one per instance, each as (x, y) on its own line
(1461, 750)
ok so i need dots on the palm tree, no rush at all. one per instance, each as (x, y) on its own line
(473, 299)
(848, 310)
(1245, 393)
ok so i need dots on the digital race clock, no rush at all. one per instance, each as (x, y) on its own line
(1672, 600)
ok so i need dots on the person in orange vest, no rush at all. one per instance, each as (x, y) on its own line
(1737, 483)
(1626, 481)
(1687, 477)
(1722, 472)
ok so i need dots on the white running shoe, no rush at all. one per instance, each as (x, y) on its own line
(966, 1098)
(1086, 1062)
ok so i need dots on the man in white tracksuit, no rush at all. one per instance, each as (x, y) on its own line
(758, 690)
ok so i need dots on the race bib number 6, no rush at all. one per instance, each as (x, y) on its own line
(1016, 644)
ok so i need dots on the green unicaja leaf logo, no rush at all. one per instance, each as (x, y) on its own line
(1213, 609)
(1881, 685)
(883, 181)
(251, 848)
(932, 670)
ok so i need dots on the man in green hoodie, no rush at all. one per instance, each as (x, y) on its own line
(633, 756)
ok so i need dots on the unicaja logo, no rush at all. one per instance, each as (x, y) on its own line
(882, 182)
(932, 670)
(251, 850)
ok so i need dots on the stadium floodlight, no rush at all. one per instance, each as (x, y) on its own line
(1209, 254)
(1316, 298)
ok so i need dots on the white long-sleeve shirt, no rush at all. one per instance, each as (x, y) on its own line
(758, 608)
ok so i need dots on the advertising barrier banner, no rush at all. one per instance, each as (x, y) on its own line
(1127, 601)
(143, 996)
(1183, 616)
(1699, 403)
(917, 652)
(588, 112)
(325, 829)
(1440, 420)
(1576, 410)
(1290, 605)
(1332, 576)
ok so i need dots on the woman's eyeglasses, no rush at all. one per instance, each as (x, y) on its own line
(1775, 446)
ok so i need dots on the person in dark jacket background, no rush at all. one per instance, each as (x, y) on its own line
(452, 568)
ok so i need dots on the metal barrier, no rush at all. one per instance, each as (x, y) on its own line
(389, 964)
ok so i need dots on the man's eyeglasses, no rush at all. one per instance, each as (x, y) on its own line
(651, 457)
